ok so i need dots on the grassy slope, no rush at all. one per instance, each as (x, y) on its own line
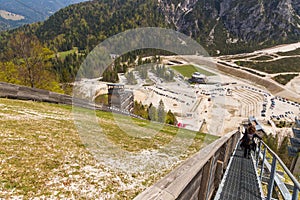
(41, 154)
(284, 78)
(278, 66)
(63, 54)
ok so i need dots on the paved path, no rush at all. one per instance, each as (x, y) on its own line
(240, 182)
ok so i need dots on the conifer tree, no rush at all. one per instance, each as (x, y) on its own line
(161, 114)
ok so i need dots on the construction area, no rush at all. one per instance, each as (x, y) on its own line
(218, 105)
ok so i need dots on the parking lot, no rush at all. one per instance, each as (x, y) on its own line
(222, 103)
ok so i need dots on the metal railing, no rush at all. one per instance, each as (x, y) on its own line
(263, 154)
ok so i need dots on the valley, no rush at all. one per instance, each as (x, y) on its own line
(17, 13)
(133, 89)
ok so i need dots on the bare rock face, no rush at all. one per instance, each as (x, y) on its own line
(216, 22)
(262, 20)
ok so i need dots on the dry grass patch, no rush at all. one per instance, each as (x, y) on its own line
(42, 154)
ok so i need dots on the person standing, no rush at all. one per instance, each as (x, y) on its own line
(248, 141)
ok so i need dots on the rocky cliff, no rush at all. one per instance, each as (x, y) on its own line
(221, 23)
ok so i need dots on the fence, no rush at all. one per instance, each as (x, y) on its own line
(199, 176)
(287, 192)
(12, 91)
(19, 92)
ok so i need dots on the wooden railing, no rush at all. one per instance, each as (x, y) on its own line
(199, 176)
(13, 91)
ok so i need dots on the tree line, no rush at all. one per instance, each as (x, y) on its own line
(155, 114)
(28, 62)
(281, 149)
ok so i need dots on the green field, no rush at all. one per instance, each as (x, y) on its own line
(42, 153)
(63, 54)
(188, 70)
(290, 53)
(284, 78)
(278, 66)
(262, 58)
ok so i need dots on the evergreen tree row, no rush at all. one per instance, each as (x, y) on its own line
(155, 114)
(280, 149)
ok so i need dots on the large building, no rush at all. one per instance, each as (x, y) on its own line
(198, 78)
(120, 98)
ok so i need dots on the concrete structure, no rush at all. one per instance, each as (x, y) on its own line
(120, 98)
(198, 78)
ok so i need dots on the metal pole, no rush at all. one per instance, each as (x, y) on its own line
(263, 163)
(272, 176)
(257, 155)
(295, 193)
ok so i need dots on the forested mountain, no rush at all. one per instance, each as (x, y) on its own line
(220, 26)
(229, 26)
(14, 13)
(88, 24)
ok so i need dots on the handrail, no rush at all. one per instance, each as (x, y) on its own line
(273, 169)
(292, 177)
(197, 177)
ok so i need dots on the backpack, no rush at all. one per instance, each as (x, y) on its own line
(249, 139)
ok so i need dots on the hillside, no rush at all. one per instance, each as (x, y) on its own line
(224, 26)
(29, 11)
(220, 26)
(232, 26)
(42, 154)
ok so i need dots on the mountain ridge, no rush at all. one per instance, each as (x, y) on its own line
(31, 11)
(229, 21)
(221, 26)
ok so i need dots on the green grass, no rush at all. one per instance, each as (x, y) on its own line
(284, 78)
(188, 70)
(278, 66)
(42, 153)
(262, 58)
(238, 57)
(63, 54)
(290, 53)
(102, 99)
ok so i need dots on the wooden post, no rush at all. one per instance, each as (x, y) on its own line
(206, 172)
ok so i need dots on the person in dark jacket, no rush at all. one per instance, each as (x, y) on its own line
(242, 141)
(248, 140)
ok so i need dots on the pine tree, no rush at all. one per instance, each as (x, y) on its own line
(152, 113)
(283, 152)
(161, 114)
(170, 118)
